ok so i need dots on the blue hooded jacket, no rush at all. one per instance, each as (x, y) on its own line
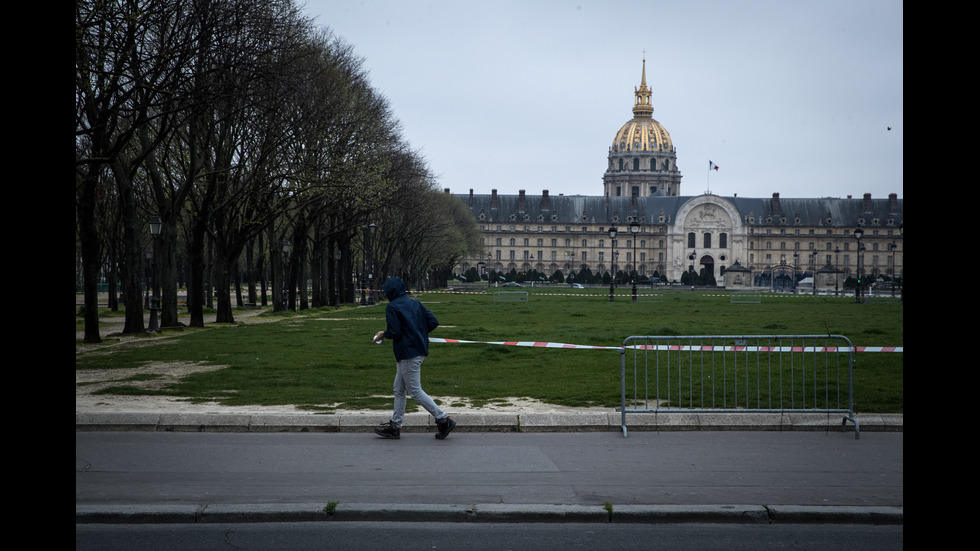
(408, 321)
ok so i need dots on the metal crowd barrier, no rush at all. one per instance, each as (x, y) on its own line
(739, 374)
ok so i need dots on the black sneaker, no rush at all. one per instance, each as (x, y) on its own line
(388, 430)
(445, 426)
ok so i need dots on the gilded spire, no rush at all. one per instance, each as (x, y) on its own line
(643, 107)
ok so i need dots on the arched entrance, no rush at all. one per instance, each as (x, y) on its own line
(703, 266)
(707, 267)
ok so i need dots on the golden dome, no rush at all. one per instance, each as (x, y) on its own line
(642, 132)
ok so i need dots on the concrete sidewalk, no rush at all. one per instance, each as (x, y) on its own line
(753, 468)
(483, 422)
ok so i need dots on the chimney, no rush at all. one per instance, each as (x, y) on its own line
(471, 197)
(867, 202)
(520, 202)
(893, 203)
(545, 201)
(493, 199)
(776, 209)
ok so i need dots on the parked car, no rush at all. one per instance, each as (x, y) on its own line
(577, 286)
(512, 284)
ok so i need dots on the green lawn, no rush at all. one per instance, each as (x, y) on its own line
(324, 359)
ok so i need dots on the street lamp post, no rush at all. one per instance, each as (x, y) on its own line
(287, 248)
(373, 230)
(337, 255)
(691, 271)
(634, 229)
(489, 259)
(612, 246)
(893, 246)
(796, 262)
(901, 233)
(147, 272)
(836, 271)
(858, 234)
(156, 226)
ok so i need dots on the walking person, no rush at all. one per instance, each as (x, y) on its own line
(408, 326)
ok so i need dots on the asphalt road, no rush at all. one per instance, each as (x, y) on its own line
(650, 476)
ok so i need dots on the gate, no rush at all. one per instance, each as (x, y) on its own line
(739, 374)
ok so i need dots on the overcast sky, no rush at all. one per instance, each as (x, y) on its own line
(787, 96)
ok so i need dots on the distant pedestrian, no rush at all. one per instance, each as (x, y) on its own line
(408, 327)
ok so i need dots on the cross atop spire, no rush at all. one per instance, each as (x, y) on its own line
(643, 108)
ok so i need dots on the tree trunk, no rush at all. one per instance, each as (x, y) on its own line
(91, 260)
(167, 272)
(195, 280)
(132, 251)
(222, 287)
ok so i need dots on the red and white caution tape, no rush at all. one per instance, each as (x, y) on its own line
(533, 344)
(807, 349)
(682, 348)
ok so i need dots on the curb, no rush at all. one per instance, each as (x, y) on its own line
(482, 422)
(487, 513)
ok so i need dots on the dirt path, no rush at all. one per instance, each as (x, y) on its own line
(166, 373)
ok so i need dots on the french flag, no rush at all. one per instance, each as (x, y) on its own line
(712, 166)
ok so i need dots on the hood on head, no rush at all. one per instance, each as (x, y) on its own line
(393, 288)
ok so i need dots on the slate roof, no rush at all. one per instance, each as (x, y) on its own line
(773, 211)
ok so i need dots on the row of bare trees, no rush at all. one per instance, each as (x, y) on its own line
(250, 132)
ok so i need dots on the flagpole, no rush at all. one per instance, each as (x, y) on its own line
(708, 183)
(711, 166)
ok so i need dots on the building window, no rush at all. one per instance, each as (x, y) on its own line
(707, 241)
(723, 240)
(690, 240)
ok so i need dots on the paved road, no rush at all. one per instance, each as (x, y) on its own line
(747, 476)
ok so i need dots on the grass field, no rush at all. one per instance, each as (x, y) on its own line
(323, 359)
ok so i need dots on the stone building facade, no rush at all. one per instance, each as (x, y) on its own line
(660, 231)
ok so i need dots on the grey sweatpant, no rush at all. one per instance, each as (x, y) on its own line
(408, 381)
